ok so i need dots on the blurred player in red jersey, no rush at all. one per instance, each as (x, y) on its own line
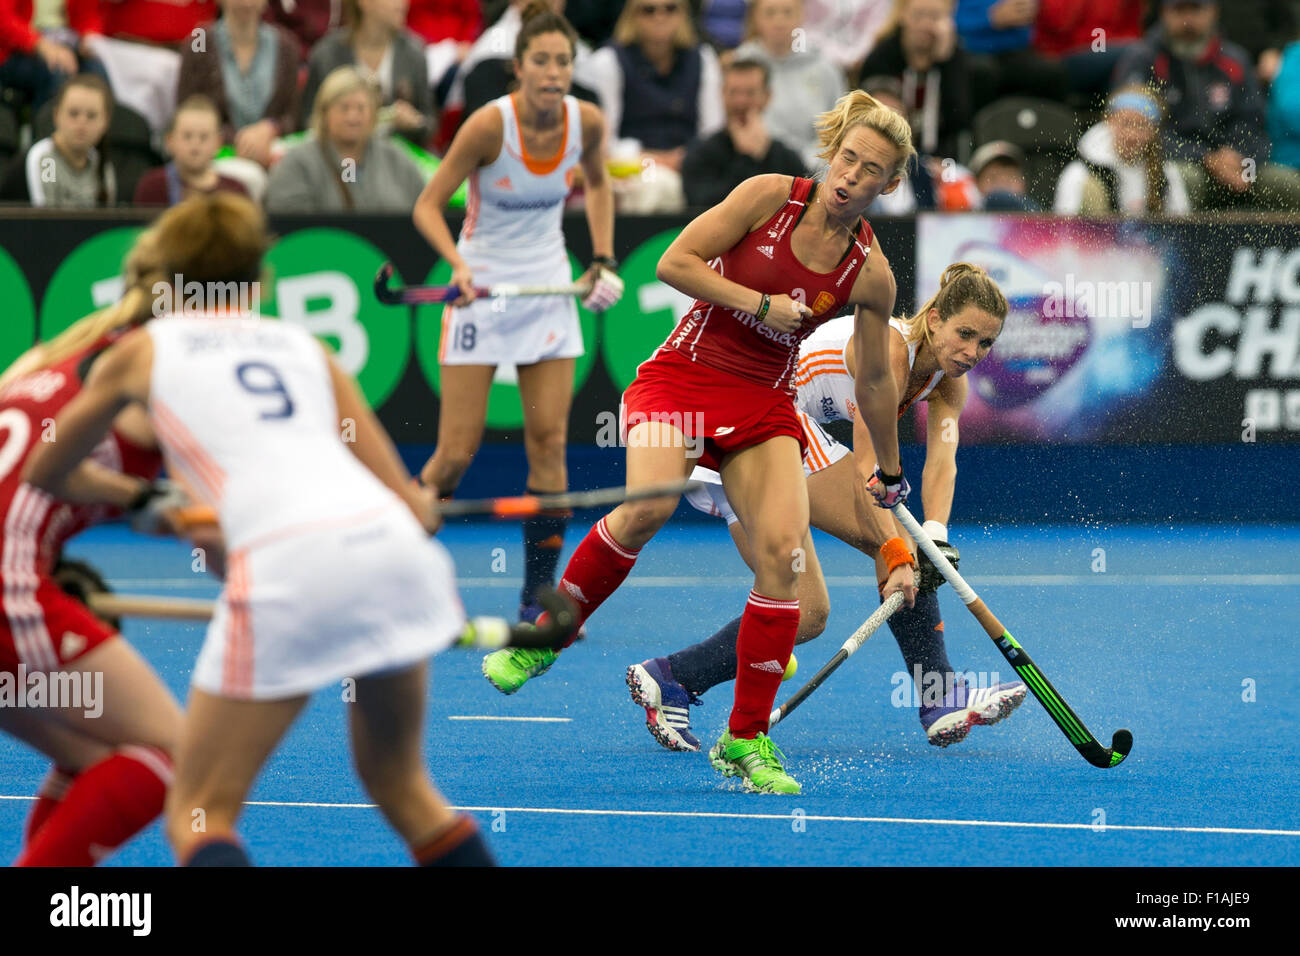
(112, 753)
(777, 258)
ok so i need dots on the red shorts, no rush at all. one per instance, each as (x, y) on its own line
(45, 628)
(728, 412)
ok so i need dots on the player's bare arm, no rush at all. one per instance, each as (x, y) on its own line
(374, 449)
(597, 190)
(873, 379)
(940, 475)
(476, 144)
(685, 264)
(120, 377)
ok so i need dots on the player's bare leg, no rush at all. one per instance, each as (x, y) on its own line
(222, 748)
(545, 390)
(113, 755)
(387, 724)
(666, 687)
(461, 417)
(766, 487)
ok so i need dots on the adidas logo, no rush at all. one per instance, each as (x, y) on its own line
(504, 183)
(576, 591)
(772, 667)
(767, 250)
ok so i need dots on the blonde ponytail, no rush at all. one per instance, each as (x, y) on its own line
(961, 284)
(143, 267)
(856, 108)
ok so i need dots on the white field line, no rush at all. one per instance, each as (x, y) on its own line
(695, 814)
(534, 720)
(856, 581)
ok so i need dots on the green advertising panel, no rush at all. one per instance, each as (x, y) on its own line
(88, 279)
(18, 329)
(504, 407)
(642, 319)
(323, 279)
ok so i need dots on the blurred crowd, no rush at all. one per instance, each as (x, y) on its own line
(1086, 107)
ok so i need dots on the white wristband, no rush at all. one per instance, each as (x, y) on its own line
(935, 530)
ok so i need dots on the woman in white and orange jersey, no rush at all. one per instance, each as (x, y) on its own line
(329, 571)
(930, 355)
(520, 154)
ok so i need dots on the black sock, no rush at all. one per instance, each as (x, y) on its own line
(708, 663)
(460, 845)
(219, 853)
(543, 539)
(919, 632)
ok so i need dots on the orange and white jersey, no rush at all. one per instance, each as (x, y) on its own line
(244, 411)
(515, 201)
(824, 381)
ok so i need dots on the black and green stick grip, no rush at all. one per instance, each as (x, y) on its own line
(1121, 743)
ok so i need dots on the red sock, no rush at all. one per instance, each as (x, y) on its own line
(763, 648)
(106, 805)
(596, 570)
(53, 787)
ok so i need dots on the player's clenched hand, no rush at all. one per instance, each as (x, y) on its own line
(463, 278)
(425, 506)
(606, 288)
(902, 578)
(785, 314)
(888, 490)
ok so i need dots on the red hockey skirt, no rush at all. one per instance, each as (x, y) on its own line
(719, 412)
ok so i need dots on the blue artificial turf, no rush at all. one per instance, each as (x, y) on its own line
(1165, 641)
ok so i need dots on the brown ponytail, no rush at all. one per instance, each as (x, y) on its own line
(961, 284)
(537, 18)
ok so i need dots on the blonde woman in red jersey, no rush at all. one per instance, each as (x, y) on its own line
(111, 757)
(774, 260)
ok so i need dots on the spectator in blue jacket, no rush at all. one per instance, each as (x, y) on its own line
(1284, 109)
(1215, 126)
(997, 35)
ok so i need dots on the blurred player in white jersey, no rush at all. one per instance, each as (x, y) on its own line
(329, 571)
(520, 154)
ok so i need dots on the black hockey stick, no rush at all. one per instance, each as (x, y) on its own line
(1121, 743)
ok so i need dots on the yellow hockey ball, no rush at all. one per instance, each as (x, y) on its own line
(791, 668)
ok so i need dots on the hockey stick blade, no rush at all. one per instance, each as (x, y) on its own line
(1065, 719)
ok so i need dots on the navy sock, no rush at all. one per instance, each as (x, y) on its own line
(708, 663)
(459, 845)
(543, 539)
(919, 632)
(219, 853)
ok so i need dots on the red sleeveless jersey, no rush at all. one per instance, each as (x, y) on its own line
(738, 343)
(36, 525)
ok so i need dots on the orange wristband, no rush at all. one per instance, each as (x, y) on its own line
(895, 553)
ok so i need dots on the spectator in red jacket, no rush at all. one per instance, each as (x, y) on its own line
(32, 64)
(1088, 37)
(449, 27)
(192, 141)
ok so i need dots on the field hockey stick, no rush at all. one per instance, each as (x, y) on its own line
(525, 506)
(487, 633)
(847, 650)
(432, 294)
(1121, 742)
(519, 506)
